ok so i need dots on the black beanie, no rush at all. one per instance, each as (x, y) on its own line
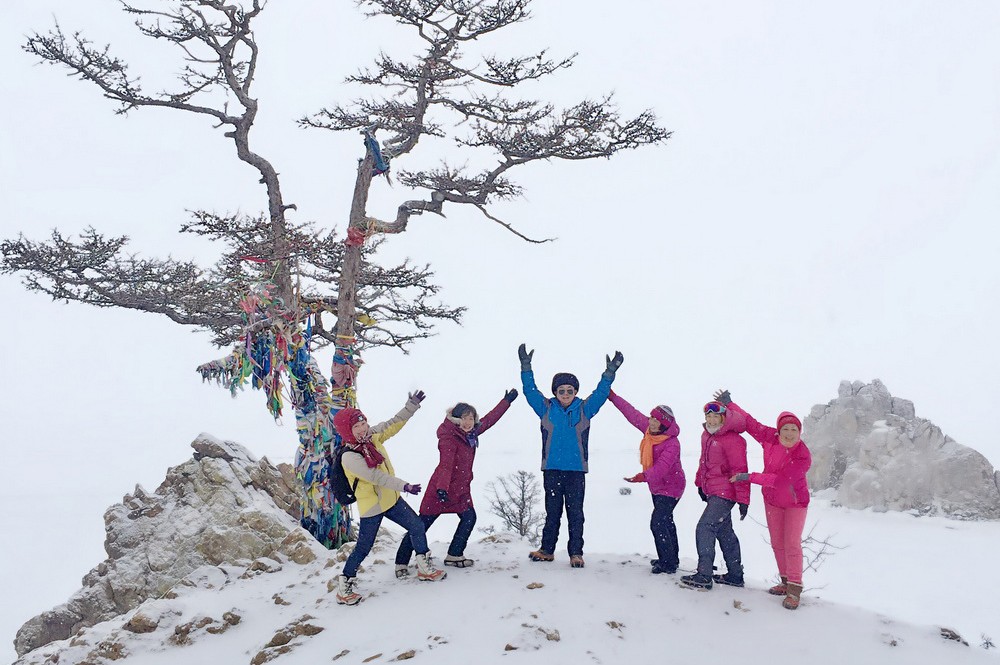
(565, 379)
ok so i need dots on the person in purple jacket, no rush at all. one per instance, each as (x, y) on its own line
(786, 493)
(660, 457)
(723, 454)
(449, 489)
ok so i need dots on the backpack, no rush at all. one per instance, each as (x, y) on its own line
(343, 491)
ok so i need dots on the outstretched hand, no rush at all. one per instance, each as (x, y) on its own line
(412, 489)
(417, 397)
(525, 357)
(511, 395)
(722, 397)
(637, 478)
(614, 363)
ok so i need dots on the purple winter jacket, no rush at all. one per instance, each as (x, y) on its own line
(723, 455)
(666, 476)
(783, 482)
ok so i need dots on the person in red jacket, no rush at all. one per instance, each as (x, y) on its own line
(449, 489)
(723, 454)
(786, 493)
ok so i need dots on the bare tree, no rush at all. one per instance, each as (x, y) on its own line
(267, 291)
(514, 499)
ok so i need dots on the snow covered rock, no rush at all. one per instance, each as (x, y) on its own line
(223, 506)
(873, 449)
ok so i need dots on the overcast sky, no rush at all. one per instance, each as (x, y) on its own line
(827, 209)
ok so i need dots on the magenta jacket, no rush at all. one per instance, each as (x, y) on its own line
(454, 470)
(783, 482)
(665, 477)
(723, 455)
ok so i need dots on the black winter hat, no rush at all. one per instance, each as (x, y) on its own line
(565, 379)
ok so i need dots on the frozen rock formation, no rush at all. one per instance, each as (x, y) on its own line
(223, 506)
(878, 454)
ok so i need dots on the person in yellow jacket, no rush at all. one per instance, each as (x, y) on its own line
(368, 469)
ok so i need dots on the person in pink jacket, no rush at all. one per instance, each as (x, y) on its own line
(660, 457)
(723, 454)
(786, 493)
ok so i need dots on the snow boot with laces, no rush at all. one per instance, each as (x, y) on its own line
(729, 579)
(539, 555)
(402, 571)
(426, 572)
(458, 561)
(697, 581)
(346, 595)
(793, 596)
(779, 589)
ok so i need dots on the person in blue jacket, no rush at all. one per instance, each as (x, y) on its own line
(565, 436)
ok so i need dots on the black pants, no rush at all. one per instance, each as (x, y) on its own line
(563, 488)
(661, 523)
(466, 522)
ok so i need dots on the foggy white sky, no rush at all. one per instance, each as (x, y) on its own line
(827, 209)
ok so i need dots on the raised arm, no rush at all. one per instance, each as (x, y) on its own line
(632, 414)
(593, 404)
(491, 418)
(388, 428)
(536, 400)
(762, 433)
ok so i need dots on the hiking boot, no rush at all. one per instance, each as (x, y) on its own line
(426, 572)
(697, 581)
(458, 561)
(658, 568)
(539, 555)
(346, 595)
(729, 579)
(779, 589)
(793, 597)
(576, 561)
(402, 571)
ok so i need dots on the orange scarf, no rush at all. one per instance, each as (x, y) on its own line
(646, 448)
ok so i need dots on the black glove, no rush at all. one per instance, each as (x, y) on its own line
(744, 507)
(613, 363)
(511, 395)
(525, 357)
(741, 477)
(701, 493)
(442, 496)
(411, 489)
(417, 397)
(723, 398)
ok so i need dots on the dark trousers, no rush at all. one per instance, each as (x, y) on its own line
(661, 523)
(563, 488)
(466, 522)
(716, 524)
(401, 514)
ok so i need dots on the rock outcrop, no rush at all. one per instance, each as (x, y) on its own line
(873, 449)
(223, 506)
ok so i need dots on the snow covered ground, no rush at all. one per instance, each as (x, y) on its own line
(896, 578)
(506, 607)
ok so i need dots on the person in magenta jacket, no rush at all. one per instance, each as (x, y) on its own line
(660, 457)
(723, 454)
(786, 493)
(449, 489)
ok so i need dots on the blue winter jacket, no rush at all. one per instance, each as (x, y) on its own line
(565, 432)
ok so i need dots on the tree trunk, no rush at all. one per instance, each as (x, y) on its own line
(348, 287)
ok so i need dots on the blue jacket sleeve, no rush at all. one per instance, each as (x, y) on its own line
(535, 399)
(597, 398)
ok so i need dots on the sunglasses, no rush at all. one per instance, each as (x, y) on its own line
(714, 407)
(565, 391)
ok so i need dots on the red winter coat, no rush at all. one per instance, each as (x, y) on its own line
(723, 455)
(454, 471)
(783, 482)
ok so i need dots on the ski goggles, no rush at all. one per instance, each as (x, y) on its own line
(715, 407)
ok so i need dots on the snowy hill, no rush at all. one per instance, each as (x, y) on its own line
(505, 607)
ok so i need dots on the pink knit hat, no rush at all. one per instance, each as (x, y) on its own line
(788, 418)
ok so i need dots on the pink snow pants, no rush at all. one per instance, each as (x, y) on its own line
(785, 526)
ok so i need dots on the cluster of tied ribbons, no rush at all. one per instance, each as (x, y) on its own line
(273, 346)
